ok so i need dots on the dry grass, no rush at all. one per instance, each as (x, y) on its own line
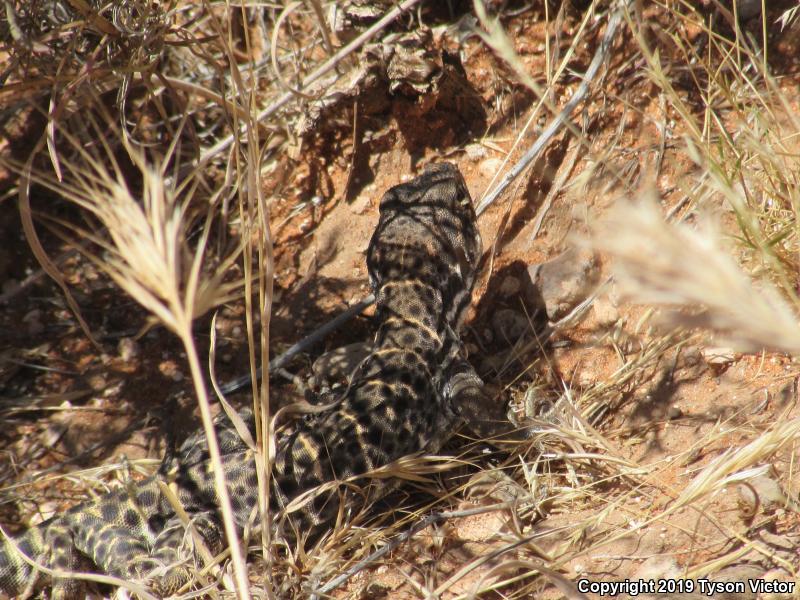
(188, 84)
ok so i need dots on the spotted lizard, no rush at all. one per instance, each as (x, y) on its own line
(407, 395)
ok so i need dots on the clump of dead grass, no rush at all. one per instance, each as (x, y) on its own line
(688, 268)
(153, 244)
(727, 266)
(730, 272)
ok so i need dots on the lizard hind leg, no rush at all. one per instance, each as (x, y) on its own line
(169, 562)
(63, 556)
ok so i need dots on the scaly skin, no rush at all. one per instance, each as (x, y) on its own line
(404, 397)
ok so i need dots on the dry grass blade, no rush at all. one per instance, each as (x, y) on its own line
(684, 268)
(737, 465)
(36, 247)
(499, 41)
(148, 254)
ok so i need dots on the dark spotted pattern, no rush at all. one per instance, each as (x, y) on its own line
(402, 398)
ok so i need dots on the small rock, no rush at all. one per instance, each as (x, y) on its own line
(779, 592)
(475, 152)
(769, 492)
(509, 286)
(97, 382)
(585, 379)
(718, 356)
(692, 355)
(361, 203)
(658, 567)
(563, 282)
(605, 312)
(128, 349)
(490, 167)
(673, 412)
(509, 325)
(169, 368)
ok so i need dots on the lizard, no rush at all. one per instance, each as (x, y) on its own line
(407, 395)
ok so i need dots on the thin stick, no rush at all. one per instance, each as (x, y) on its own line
(27, 283)
(302, 345)
(562, 117)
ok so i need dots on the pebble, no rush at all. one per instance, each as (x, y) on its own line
(97, 381)
(169, 368)
(779, 575)
(605, 312)
(52, 434)
(490, 167)
(673, 412)
(563, 282)
(128, 349)
(718, 355)
(475, 152)
(692, 355)
(769, 492)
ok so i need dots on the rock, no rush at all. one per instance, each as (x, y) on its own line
(509, 286)
(475, 152)
(52, 434)
(490, 167)
(97, 382)
(605, 312)
(169, 368)
(560, 284)
(508, 325)
(692, 356)
(770, 493)
(718, 356)
(128, 349)
(586, 379)
(658, 567)
(779, 591)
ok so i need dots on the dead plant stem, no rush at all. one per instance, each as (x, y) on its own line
(239, 568)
